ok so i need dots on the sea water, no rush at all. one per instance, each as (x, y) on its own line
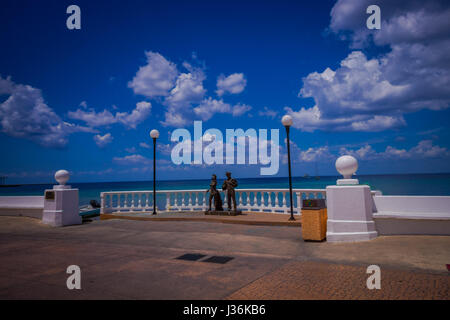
(402, 184)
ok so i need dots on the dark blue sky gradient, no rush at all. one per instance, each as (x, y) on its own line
(274, 43)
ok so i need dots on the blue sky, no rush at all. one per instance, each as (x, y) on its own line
(85, 100)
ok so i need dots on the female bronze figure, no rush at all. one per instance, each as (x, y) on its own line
(214, 193)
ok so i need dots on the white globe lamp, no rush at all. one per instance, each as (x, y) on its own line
(347, 166)
(287, 120)
(154, 134)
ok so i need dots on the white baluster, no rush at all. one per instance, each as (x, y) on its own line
(247, 199)
(190, 200)
(271, 202)
(182, 200)
(299, 203)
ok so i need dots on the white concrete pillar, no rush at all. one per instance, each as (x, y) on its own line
(61, 203)
(349, 206)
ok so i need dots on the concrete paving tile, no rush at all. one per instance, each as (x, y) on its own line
(136, 260)
(314, 280)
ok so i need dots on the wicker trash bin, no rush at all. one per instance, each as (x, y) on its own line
(314, 220)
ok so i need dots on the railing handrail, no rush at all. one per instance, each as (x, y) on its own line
(204, 190)
(248, 198)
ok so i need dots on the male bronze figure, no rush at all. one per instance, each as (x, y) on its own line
(229, 185)
(214, 193)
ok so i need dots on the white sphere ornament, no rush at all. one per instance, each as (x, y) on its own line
(62, 176)
(347, 166)
(287, 120)
(154, 134)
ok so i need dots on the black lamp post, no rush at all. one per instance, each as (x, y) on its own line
(287, 122)
(154, 134)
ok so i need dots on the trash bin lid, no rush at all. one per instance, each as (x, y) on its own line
(313, 203)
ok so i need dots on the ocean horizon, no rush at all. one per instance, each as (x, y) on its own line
(434, 184)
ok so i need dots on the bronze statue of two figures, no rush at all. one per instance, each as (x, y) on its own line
(229, 186)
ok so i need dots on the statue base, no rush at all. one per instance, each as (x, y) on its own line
(224, 213)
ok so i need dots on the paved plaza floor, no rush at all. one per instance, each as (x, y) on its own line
(126, 259)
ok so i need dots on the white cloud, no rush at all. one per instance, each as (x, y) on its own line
(142, 163)
(138, 115)
(6, 85)
(103, 141)
(430, 132)
(24, 114)
(164, 148)
(210, 106)
(183, 93)
(378, 123)
(161, 147)
(131, 120)
(144, 145)
(174, 118)
(364, 153)
(235, 83)
(268, 113)
(316, 154)
(411, 76)
(423, 149)
(132, 159)
(311, 154)
(156, 78)
(403, 21)
(188, 91)
(92, 118)
(240, 109)
(426, 149)
(355, 97)
(392, 152)
(373, 94)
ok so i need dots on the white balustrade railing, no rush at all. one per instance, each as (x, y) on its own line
(262, 200)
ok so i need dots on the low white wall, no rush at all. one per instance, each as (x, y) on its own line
(426, 215)
(29, 206)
